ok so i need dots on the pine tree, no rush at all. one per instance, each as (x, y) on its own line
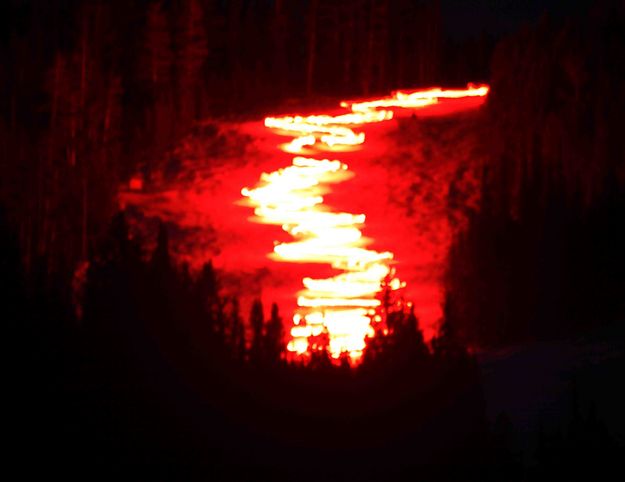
(411, 338)
(447, 343)
(274, 336)
(209, 303)
(237, 332)
(257, 324)
(208, 289)
(311, 53)
(192, 53)
(157, 71)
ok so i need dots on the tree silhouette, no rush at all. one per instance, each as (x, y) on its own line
(274, 336)
(237, 331)
(192, 52)
(257, 323)
(409, 336)
(159, 57)
(447, 343)
(212, 305)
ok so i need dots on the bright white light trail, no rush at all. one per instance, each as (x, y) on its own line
(344, 305)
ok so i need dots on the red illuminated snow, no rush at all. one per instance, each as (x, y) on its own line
(401, 191)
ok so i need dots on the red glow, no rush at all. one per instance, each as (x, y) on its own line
(344, 304)
(401, 192)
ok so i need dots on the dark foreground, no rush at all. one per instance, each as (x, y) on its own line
(155, 383)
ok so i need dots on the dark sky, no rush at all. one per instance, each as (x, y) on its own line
(467, 18)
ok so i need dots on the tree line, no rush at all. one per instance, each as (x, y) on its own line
(164, 378)
(542, 257)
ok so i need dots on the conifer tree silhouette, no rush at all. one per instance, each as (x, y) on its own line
(257, 323)
(237, 331)
(274, 336)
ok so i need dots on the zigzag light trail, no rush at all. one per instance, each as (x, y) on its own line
(343, 307)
